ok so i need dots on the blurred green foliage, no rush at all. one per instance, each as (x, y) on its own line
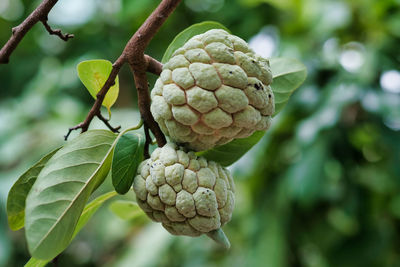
(320, 189)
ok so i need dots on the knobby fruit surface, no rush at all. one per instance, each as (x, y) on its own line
(213, 89)
(187, 194)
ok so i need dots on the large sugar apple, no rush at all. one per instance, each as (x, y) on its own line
(187, 194)
(212, 90)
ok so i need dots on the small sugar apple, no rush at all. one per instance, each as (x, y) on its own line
(187, 194)
(213, 89)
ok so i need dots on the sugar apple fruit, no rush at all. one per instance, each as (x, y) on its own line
(213, 89)
(187, 194)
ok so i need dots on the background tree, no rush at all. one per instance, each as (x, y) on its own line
(320, 189)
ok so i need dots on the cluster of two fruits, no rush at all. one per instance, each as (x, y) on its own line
(213, 89)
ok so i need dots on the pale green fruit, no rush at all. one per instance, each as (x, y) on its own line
(213, 89)
(187, 194)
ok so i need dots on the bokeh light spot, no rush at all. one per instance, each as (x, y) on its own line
(265, 42)
(72, 12)
(390, 81)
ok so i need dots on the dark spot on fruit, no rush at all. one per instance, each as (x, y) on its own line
(230, 72)
(269, 95)
(257, 86)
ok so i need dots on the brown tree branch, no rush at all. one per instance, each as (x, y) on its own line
(57, 32)
(140, 64)
(146, 153)
(39, 14)
(144, 107)
(153, 65)
(134, 52)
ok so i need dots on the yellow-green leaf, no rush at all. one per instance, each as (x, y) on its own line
(94, 74)
(33, 262)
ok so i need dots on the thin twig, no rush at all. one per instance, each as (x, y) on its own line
(105, 121)
(76, 127)
(57, 32)
(18, 32)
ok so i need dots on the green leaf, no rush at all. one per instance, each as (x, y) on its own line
(128, 154)
(19, 191)
(288, 75)
(282, 4)
(91, 209)
(87, 213)
(188, 33)
(231, 152)
(33, 262)
(306, 177)
(125, 209)
(57, 198)
(94, 74)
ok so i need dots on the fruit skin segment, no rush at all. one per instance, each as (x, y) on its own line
(213, 89)
(187, 194)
